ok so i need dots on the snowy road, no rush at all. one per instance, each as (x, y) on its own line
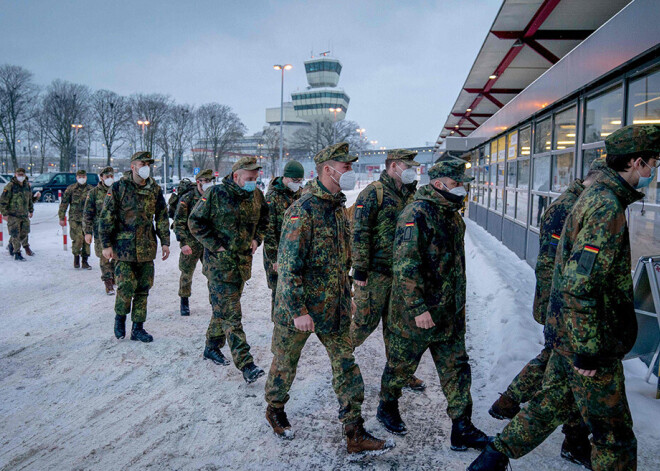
(73, 397)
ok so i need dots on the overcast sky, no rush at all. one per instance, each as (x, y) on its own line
(403, 61)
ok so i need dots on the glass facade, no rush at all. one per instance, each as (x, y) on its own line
(323, 66)
(603, 114)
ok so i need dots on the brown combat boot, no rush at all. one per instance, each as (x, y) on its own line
(109, 288)
(358, 440)
(28, 251)
(504, 408)
(85, 265)
(76, 261)
(277, 419)
(415, 384)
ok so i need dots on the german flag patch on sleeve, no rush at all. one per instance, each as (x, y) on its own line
(407, 233)
(587, 259)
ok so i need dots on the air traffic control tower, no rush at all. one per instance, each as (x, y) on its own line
(322, 94)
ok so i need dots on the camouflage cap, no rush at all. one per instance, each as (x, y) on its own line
(336, 152)
(207, 173)
(106, 171)
(20, 170)
(454, 169)
(404, 155)
(81, 172)
(143, 156)
(294, 169)
(249, 162)
(634, 138)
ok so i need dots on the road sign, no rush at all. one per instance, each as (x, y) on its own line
(196, 170)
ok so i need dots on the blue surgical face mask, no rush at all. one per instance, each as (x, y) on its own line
(249, 186)
(645, 181)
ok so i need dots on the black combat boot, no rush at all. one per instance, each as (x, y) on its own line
(465, 435)
(11, 250)
(76, 261)
(361, 442)
(185, 308)
(138, 333)
(415, 384)
(120, 326)
(388, 415)
(213, 353)
(504, 408)
(490, 460)
(85, 265)
(277, 419)
(577, 447)
(18, 257)
(28, 251)
(251, 373)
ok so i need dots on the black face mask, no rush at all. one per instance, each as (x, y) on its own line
(452, 198)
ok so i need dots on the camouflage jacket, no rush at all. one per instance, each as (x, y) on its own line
(127, 220)
(591, 315)
(314, 262)
(550, 231)
(74, 199)
(374, 227)
(428, 266)
(278, 198)
(229, 217)
(16, 199)
(93, 208)
(180, 224)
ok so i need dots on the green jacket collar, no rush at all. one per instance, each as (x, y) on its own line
(317, 189)
(576, 188)
(625, 193)
(234, 189)
(428, 193)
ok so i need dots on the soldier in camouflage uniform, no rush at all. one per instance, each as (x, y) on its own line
(282, 192)
(17, 205)
(314, 295)
(128, 235)
(427, 304)
(374, 225)
(230, 221)
(191, 249)
(91, 217)
(74, 198)
(591, 322)
(576, 446)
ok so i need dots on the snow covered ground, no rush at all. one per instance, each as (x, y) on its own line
(73, 397)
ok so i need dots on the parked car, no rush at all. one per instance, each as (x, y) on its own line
(4, 179)
(49, 184)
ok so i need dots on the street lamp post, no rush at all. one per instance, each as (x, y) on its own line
(334, 123)
(282, 68)
(77, 127)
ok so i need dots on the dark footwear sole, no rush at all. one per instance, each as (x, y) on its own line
(400, 434)
(498, 416)
(184, 315)
(415, 390)
(389, 445)
(143, 341)
(119, 338)
(569, 457)
(226, 363)
(286, 436)
(252, 380)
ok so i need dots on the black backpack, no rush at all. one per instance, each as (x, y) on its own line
(184, 187)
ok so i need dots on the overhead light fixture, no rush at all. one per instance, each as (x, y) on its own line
(492, 77)
(468, 110)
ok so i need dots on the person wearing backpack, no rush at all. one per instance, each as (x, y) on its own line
(191, 249)
(374, 223)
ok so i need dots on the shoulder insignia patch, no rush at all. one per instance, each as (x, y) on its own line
(407, 233)
(204, 199)
(295, 218)
(587, 259)
(410, 224)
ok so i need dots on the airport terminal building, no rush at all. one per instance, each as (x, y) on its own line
(551, 81)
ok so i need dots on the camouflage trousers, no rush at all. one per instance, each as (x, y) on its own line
(451, 362)
(372, 303)
(107, 266)
(187, 265)
(226, 321)
(134, 280)
(287, 345)
(271, 279)
(602, 403)
(78, 244)
(18, 228)
(530, 380)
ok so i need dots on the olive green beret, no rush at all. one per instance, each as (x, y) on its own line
(294, 169)
(336, 152)
(454, 169)
(634, 138)
(249, 162)
(404, 155)
(142, 156)
(206, 173)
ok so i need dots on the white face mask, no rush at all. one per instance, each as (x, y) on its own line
(408, 176)
(458, 191)
(143, 172)
(108, 181)
(81, 181)
(21, 178)
(347, 180)
(294, 186)
(206, 186)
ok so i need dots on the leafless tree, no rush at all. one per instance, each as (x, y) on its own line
(17, 95)
(221, 128)
(153, 108)
(65, 104)
(112, 116)
(269, 143)
(324, 133)
(181, 131)
(39, 126)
